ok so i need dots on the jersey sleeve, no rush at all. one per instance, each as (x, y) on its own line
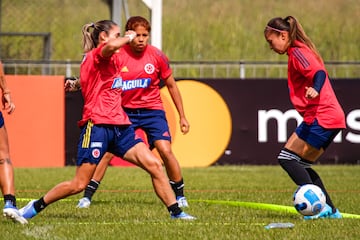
(164, 65)
(305, 63)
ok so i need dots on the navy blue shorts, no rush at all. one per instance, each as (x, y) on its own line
(2, 122)
(96, 140)
(316, 135)
(152, 122)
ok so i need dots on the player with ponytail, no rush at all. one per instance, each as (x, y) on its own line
(313, 97)
(105, 127)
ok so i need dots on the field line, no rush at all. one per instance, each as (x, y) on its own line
(266, 206)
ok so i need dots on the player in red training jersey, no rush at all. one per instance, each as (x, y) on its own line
(312, 95)
(105, 127)
(142, 66)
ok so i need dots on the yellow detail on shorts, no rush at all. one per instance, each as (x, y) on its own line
(87, 135)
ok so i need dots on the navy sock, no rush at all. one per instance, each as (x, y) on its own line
(91, 188)
(11, 198)
(301, 173)
(40, 205)
(290, 162)
(174, 209)
(178, 187)
(318, 182)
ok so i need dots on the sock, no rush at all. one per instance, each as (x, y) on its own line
(40, 205)
(174, 209)
(295, 168)
(301, 172)
(178, 187)
(91, 188)
(11, 198)
(318, 182)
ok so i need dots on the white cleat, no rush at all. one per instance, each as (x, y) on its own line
(84, 203)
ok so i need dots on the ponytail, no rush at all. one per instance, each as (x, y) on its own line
(297, 32)
(91, 38)
(88, 43)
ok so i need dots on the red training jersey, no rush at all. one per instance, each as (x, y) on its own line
(141, 77)
(101, 87)
(302, 66)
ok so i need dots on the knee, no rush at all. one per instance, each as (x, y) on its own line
(285, 156)
(78, 187)
(154, 167)
(166, 153)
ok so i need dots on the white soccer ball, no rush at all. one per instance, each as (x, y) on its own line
(309, 199)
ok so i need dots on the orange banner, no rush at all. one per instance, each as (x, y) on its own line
(36, 128)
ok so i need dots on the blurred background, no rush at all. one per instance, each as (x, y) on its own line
(202, 38)
(231, 82)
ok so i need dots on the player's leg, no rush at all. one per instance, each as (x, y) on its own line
(302, 149)
(7, 178)
(173, 170)
(89, 156)
(60, 191)
(141, 156)
(134, 150)
(154, 123)
(6, 168)
(94, 183)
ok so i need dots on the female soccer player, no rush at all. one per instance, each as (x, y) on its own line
(105, 127)
(142, 67)
(6, 169)
(313, 97)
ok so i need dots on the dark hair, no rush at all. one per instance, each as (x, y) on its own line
(91, 38)
(295, 30)
(135, 21)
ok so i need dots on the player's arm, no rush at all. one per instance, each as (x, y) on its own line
(318, 83)
(114, 44)
(177, 99)
(8, 105)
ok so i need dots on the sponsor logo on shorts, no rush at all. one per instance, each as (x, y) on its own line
(96, 144)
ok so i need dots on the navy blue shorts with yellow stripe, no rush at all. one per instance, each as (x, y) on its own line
(96, 140)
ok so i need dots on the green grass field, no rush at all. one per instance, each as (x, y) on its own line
(126, 207)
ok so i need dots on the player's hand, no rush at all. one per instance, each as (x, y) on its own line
(311, 93)
(8, 105)
(71, 86)
(130, 34)
(184, 126)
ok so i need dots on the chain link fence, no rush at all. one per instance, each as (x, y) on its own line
(43, 37)
(46, 29)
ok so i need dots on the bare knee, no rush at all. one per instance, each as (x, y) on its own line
(166, 154)
(78, 187)
(154, 166)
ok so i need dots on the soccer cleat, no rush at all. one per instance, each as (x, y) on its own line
(182, 202)
(336, 215)
(84, 203)
(325, 213)
(28, 211)
(184, 216)
(13, 213)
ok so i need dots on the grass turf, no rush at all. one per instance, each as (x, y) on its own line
(125, 207)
